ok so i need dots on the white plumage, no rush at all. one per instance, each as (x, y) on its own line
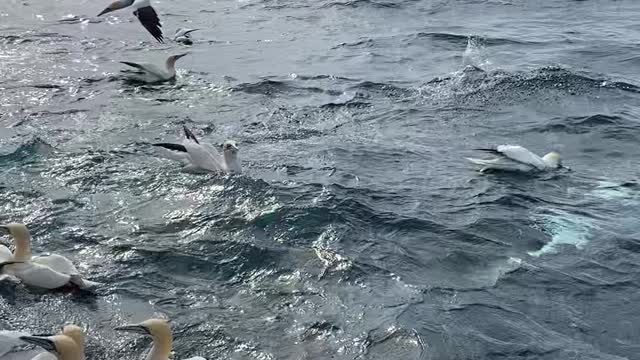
(517, 158)
(199, 157)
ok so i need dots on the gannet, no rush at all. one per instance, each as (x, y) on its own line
(62, 346)
(184, 36)
(517, 158)
(45, 271)
(199, 157)
(10, 339)
(151, 73)
(160, 332)
(143, 11)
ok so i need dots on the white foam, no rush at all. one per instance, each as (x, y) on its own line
(564, 228)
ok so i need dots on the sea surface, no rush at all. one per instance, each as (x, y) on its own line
(357, 230)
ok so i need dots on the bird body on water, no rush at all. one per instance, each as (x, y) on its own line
(152, 73)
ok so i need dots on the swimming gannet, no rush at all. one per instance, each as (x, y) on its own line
(199, 157)
(160, 332)
(62, 346)
(183, 36)
(151, 73)
(10, 339)
(517, 158)
(143, 11)
(45, 271)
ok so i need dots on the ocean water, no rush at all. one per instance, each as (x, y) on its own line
(357, 230)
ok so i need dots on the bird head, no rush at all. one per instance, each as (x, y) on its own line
(553, 160)
(60, 345)
(230, 147)
(119, 4)
(171, 61)
(75, 333)
(156, 328)
(19, 232)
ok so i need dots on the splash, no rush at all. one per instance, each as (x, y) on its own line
(565, 229)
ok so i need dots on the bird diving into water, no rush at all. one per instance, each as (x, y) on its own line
(200, 157)
(151, 73)
(183, 36)
(143, 11)
(517, 158)
(160, 332)
(45, 271)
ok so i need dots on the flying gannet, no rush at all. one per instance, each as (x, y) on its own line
(9, 340)
(151, 73)
(199, 157)
(62, 346)
(46, 271)
(517, 158)
(160, 332)
(143, 11)
(183, 36)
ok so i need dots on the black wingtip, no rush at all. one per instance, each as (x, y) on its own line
(170, 146)
(189, 134)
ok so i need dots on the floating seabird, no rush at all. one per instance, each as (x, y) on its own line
(199, 157)
(63, 347)
(151, 73)
(160, 332)
(517, 158)
(45, 271)
(143, 11)
(9, 340)
(184, 36)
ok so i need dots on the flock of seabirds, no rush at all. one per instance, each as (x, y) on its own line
(53, 271)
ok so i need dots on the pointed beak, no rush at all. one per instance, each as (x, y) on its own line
(43, 342)
(181, 55)
(136, 328)
(114, 6)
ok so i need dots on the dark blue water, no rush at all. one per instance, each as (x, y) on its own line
(357, 230)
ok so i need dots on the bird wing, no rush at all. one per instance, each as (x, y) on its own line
(32, 354)
(56, 262)
(5, 254)
(202, 157)
(518, 153)
(149, 19)
(10, 339)
(175, 152)
(38, 275)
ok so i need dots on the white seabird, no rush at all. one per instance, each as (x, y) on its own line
(151, 73)
(199, 157)
(160, 332)
(517, 158)
(45, 271)
(184, 36)
(11, 339)
(143, 11)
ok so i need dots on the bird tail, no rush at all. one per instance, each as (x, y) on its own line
(82, 283)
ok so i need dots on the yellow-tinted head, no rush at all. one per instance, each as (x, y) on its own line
(18, 231)
(116, 5)
(74, 332)
(64, 347)
(552, 159)
(156, 328)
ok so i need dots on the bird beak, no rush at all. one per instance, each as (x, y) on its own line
(138, 329)
(43, 342)
(114, 6)
(181, 55)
